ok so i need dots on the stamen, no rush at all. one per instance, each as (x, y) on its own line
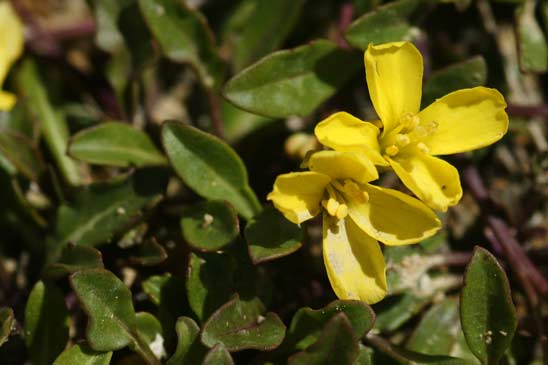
(353, 189)
(402, 140)
(392, 150)
(410, 121)
(365, 196)
(432, 127)
(420, 131)
(423, 148)
(342, 211)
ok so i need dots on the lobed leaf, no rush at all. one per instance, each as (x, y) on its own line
(189, 348)
(75, 258)
(218, 355)
(82, 354)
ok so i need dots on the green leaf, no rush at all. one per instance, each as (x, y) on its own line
(102, 210)
(270, 236)
(115, 144)
(239, 123)
(307, 324)
(82, 354)
(150, 331)
(240, 325)
(210, 225)
(149, 253)
(107, 301)
(397, 310)
(209, 282)
(532, 45)
(75, 258)
(20, 151)
(337, 345)
(258, 27)
(209, 167)
(437, 332)
(46, 323)
(387, 23)
(470, 73)
(189, 348)
(487, 313)
(292, 82)
(184, 36)
(108, 36)
(7, 324)
(153, 286)
(218, 355)
(52, 122)
(365, 356)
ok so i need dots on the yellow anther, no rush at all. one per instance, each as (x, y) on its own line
(392, 150)
(432, 127)
(342, 211)
(420, 131)
(332, 206)
(402, 140)
(365, 196)
(410, 121)
(354, 191)
(423, 148)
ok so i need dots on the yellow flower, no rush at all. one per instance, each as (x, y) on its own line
(460, 121)
(11, 47)
(355, 215)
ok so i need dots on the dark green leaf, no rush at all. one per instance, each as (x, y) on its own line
(21, 153)
(269, 236)
(150, 331)
(240, 325)
(532, 46)
(292, 82)
(108, 303)
(153, 286)
(115, 144)
(437, 332)
(149, 253)
(337, 345)
(307, 324)
(184, 36)
(209, 167)
(239, 123)
(82, 354)
(189, 349)
(52, 121)
(210, 225)
(46, 323)
(75, 258)
(108, 36)
(209, 282)
(487, 313)
(395, 311)
(387, 23)
(258, 27)
(218, 355)
(7, 323)
(101, 210)
(470, 73)
(365, 356)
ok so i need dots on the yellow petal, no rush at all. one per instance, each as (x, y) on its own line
(433, 180)
(346, 133)
(354, 262)
(343, 165)
(11, 38)
(297, 194)
(392, 217)
(466, 119)
(394, 79)
(7, 101)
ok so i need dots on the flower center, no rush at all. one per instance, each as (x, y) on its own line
(409, 133)
(334, 202)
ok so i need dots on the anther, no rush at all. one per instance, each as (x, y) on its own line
(342, 211)
(423, 148)
(332, 206)
(353, 189)
(392, 150)
(402, 140)
(365, 196)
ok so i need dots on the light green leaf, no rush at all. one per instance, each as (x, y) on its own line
(115, 144)
(210, 225)
(52, 121)
(46, 323)
(387, 23)
(270, 236)
(149, 253)
(184, 36)
(238, 123)
(292, 82)
(218, 355)
(189, 349)
(337, 345)
(82, 354)
(487, 313)
(532, 46)
(209, 167)
(258, 27)
(242, 324)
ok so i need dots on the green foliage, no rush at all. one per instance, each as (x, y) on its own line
(82, 354)
(7, 322)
